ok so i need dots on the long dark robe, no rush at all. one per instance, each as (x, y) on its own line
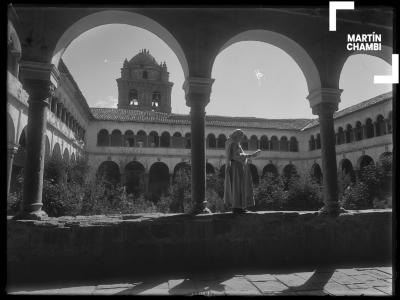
(238, 185)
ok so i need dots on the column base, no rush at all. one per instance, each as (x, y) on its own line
(200, 209)
(37, 215)
(332, 209)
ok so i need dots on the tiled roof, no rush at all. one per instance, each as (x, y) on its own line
(129, 115)
(356, 107)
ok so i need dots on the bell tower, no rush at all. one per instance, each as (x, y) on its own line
(144, 84)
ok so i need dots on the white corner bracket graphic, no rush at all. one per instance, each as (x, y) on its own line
(391, 79)
(333, 7)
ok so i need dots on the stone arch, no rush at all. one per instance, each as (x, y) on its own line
(358, 131)
(154, 139)
(66, 156)
(188, 141)
(141, 139)
(318, 141)
(340, 136)
(211, 141)
(177, 140)
(221, 141)
(264, 145)
(289, 171)
(180, 166)
(134, 177)
(10, 130)
(118, 17)
(349, 133)
(158, 178)
(129, 138)
(56, 153)
(369, 128)
(116, 138)
(165, 140)
(363, 161)
(291, 47)
(274, 143)
(380, 126)
(46, 148)
(254, 174)
(311, 143)
(103, 138)
(253, 142)
(271, 170)
(109, 172)
(316, 173)
(346, 168)
(284, 144)
(210, 169)
(13, 49)
(293, 144)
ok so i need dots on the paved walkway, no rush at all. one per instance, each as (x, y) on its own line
(376, 281)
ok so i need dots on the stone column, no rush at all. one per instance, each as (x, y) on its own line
(324, 103)
(39, 80)
(197, 91)
(11, 151)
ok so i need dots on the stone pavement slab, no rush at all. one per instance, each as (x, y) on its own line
(357, 281)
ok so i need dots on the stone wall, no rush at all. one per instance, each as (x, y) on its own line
(74, 247)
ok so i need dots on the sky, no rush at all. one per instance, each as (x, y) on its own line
(252, 79)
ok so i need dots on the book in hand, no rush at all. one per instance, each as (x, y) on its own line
(255, 153)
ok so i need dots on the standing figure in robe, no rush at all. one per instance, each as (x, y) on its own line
(238, 185)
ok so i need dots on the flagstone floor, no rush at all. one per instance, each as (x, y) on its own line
(376, 281)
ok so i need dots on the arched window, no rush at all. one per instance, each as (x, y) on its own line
(129, 139)
(245, 143)
(133, 98)
(145, 75)
(316, 173)
(380, 127)
(349, 133)
(211, 141)
(284, 144)
(108, 172)
(274, 143)
(340, 136)
(221, 141)
(293, 145)
(159, 178)
(154, 140)
(165, 140)
(156, 100)
(358, 131)
(318, 141)
(253, 144)
(141, 139)
(264, 143)
(311, 143)
(116, 138)
(270, 170)
(369, 129)
(103, 138)
(134, 177)
(188, 141)
(177, 140)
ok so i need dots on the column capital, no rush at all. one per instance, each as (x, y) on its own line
(197, 90)
(12, 148)
(324, 100)
(39, 71)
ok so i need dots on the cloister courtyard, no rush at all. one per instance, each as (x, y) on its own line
(118, 121)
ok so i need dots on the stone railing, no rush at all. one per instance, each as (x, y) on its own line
(156, 243)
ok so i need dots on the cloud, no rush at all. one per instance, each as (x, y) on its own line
(109, 102)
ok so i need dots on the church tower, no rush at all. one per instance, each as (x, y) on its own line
(144, 84)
